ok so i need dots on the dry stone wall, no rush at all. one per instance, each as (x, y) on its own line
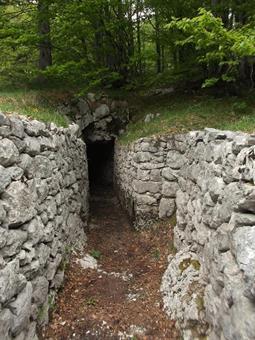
(209, 176)
(43, 209)
(146, 177)
(99, 117)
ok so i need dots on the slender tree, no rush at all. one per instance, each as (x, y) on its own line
(44, 30)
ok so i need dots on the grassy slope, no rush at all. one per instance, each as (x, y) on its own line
(33, 104)
(177, 112)
(181, 113)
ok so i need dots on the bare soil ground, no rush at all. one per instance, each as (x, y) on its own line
(120, 300)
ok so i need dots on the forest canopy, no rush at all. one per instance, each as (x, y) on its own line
(114, 43)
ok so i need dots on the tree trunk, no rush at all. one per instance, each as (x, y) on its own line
(45, 48)
(138, 30)
(158, 45)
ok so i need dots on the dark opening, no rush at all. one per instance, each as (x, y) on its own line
(100, 164)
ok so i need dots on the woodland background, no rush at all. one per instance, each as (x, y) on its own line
(83, 44)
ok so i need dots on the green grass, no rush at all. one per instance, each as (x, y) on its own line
(33, 104)
(96, 254)
(177, 112)
(181, 113)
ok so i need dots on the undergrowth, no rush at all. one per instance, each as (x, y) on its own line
(180, 113)
(32, 104)
(173, 113)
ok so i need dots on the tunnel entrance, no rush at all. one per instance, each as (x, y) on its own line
(100, 165)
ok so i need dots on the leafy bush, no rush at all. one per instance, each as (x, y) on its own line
(219, 50)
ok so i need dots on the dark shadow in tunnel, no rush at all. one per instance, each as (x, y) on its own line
(100, 165)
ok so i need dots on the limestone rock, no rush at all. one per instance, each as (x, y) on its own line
(58, 280)
(8, 152)
(5, 179)
(166, 207)
(88, 262)
(11, 283)
(40, 167)
(101, 112)
(4, 120)
(145, 200)
(21, 309)
(183, 293)
(170, 174)
(17, 128)
(2, 214)
(25, 162)
(15, 240)
(33, 146)
(244, 245)
(52, 267)
(142, 187)
(20, 204)
(83, 106)
(35, 230)
(40, 290)
(6, 320)
(19, 143)
(175, 160)
(34, 128)
(170, 189)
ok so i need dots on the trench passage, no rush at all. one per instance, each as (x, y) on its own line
(100, 166)
(119, 299)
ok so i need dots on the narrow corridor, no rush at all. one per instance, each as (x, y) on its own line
(120, 299)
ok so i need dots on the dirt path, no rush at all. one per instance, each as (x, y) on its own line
(121, 299)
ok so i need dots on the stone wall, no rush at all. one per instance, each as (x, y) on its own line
(146, 177)
(209, 175)
(99, 117)
(43, 209)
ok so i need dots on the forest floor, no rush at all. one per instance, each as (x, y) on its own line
(121, 298)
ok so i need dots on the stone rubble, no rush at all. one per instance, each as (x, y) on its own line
(43, 211)
(88, 262)
(205, 178)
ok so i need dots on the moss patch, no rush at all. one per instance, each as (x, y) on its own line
(189, 262)
(200, 303)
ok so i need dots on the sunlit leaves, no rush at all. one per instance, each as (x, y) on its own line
(217, 47)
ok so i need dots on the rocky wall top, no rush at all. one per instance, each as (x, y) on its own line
(99, 117)
(43, 210)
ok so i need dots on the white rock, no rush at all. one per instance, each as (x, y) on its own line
(88, 262)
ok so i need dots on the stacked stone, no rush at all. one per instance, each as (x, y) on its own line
(99, 117)
(209, 284)
(146, 176)
(43, 207)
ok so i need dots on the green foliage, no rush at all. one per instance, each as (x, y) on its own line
(96, 254)
(156, 254)
(91, 302)
(218, 48)
(52, 303)
(114, 43)
(200, 303)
